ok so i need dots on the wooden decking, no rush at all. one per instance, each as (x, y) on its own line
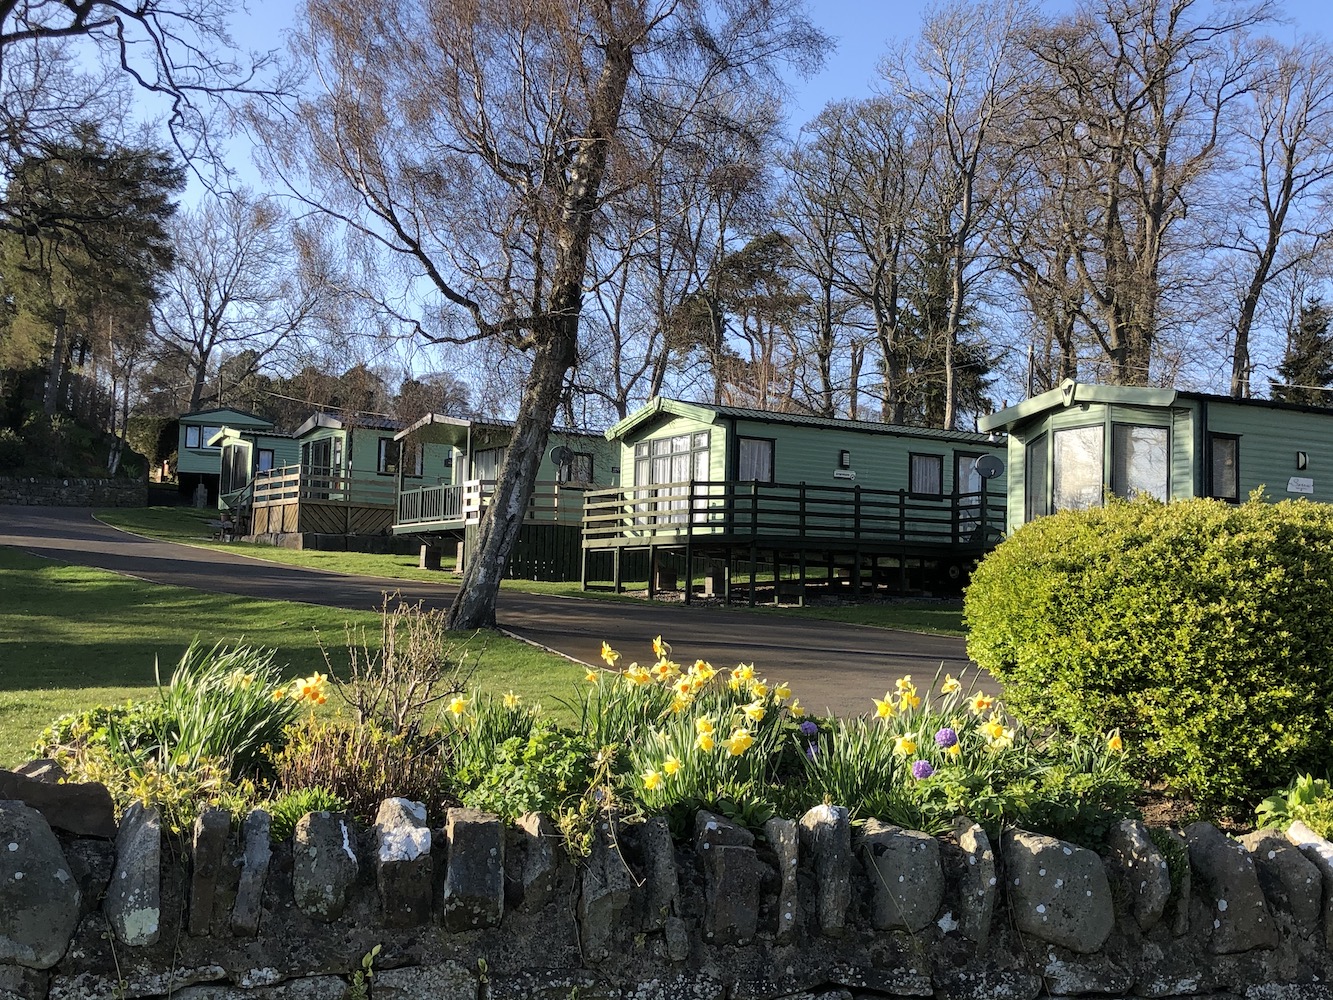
(452, 508)
(860, 535)
(295, 500)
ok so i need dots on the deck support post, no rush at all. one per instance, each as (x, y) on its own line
(615, 570)
(777, 577)
(688, 583)
(652, 572)
(800, 598)
(583, 568)
(856, 574)
(754, 570)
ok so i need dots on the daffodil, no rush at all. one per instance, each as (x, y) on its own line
(754, 711)
(706, 742)
(782, 692)
(954, 750)
(1114, 742)
(511, 700)
(684, 687)
(703, 669)
(458, 705)
(795, 708)
(703, 724)
(652, 780)
(738, 742)
(670, 766)
(744, 672)
(950, 685)
(637, 675)
(609, 654)
(664, 670)
(759, 689)
(660, 648)
(279, 694)
(679, 705)
(905, 685)
(981, 703)
(592, 675)
(883, 707)
(908, 701)
(904, 745)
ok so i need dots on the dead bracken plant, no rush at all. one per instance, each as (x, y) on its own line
(415, 665)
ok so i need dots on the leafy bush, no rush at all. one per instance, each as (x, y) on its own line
(543, 773)
(11, 450)
(286, 810)
(1197, 628)
(1308, 799)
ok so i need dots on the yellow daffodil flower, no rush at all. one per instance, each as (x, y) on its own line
(660, 648)
(637, 675)
(652, 780)
(738, 742)
(754, 711)
(904, 745)
(679, 705)
(703, 724)
(705, 742)
(279, 694)
(511, 700)
(782, 692)
(1114, 742)
(670, 766)
(684, 687)
(795, 708)
(954, 750)
(908, 701)
(981, 703)
(759, 689)
(950, 685)
(703, 669)
(744, 672)
(609, 654)
(458, 705)
(883, 708)
(905, 685)
(592, 675)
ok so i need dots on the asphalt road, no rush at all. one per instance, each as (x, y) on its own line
(831, 666)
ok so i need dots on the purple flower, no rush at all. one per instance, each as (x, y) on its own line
(922, 769)
(812, 751)
(809, 728)
(946, 738)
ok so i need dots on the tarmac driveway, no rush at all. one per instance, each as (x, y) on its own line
(831, 666)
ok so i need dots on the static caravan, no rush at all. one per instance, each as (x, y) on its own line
(344, 479)
(1072, 446)
(247, 453)
(199, 449)
(446, 513)
(848, 502)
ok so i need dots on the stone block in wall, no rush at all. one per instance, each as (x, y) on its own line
(474, 887)
(133, 903)
(712, 830)
(550, 984)
(404, 866)
(305, 988)
(1058, 891)
(1069, 974)
(661, 882)
(20, 983)
(1146, 878)
(906, 877)
(208, 847)
(784, 838)
(1319, 852)
(256, 854)
(448, 981)
(732, 879)
(606, 889)
(827, 834)
(39, 898)
(324, 864)
(133, 981)
(977, 887)
(1290, 881)
(532, 862)
(83, 809)
(91, 862)
(1228, 884)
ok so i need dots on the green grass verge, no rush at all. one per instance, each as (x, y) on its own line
(72, 638)
(190, 526)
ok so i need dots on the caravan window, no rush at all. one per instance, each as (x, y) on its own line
(925, 475)
(1140, 458)
(754, 462)
(1037, 502)
(1078, 472)
(1224, 467)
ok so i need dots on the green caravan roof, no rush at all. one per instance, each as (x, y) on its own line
(1070, 393)
(226, 416)
(662, 408)
(437, 428)
(323, 421)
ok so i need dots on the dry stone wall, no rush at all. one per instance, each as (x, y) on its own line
(38, 491)
(814, 909)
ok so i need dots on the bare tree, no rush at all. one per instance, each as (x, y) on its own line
(1285, 138)
(477, 145)
(236, 286)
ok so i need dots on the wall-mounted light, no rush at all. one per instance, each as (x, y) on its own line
(844, 459)
(1302, 460)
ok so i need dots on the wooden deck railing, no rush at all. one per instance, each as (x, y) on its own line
(293, 483)
(464, 503)
(674, 512)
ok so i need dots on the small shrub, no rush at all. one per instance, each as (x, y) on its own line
(286, 810)
(363, 765)
(1197, 628)
(11, 450)
(1308, 799)
(544, 773)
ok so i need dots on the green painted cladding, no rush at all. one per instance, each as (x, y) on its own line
(1269, 442)
(203, 460)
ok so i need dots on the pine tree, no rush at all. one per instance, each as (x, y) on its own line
(1306, 372)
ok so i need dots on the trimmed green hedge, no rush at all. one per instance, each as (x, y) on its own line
(1203, 630)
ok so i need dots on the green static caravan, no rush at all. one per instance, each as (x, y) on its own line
(802, 500)
(446, 513)
(246, 453)
(199, 448)
(1077, 443)
(343, 480)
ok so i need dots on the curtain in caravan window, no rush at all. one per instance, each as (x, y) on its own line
(486, 463)
(926, 475)
(1139, 457)
(1079, 475)
(754, 460)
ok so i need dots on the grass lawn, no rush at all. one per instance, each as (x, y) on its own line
(189, 525)
(73, 637)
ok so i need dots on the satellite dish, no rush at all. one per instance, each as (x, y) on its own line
(561, 455)
(988, 466)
